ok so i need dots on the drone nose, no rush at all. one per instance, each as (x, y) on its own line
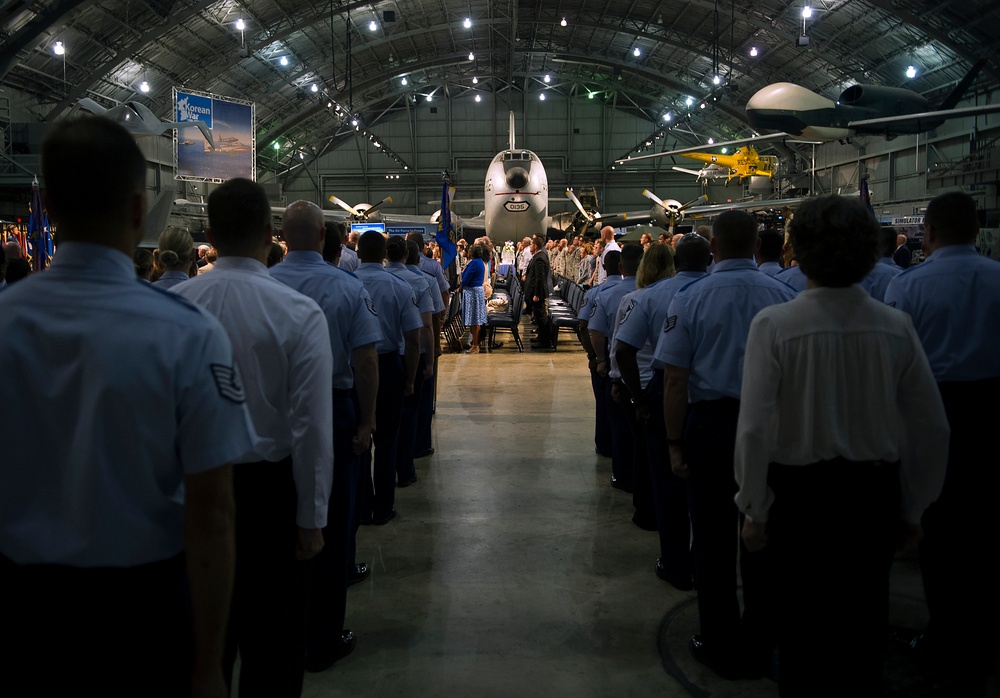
(517, 178)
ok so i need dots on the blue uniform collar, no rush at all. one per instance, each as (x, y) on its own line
(304, 257)
(733, 264)
(93, 259)
(396, 265)
(953, 251)
(248, 264)
(888, 260)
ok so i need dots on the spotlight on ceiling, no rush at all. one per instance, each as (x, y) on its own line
(479, 98)
(240, 24)
(372, 26)
(472, 56)
(716, 80)
(467, 23)
(541, 96)
(636, 52)
(277, 146)
(711, 141)
(430, 98)
(354, 122)
(590, 95)
(702, 105)
(59, 48)
(753, 51)
(547, 78)
(911, 72)
(667, 117)
(144, 86)
(807, 12)
(403, 82)
(563, 23)
(475, 80)
(689, 101)
(314, 87)
(284, 60)
(725, 150)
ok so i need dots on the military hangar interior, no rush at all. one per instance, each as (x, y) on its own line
(368, 100)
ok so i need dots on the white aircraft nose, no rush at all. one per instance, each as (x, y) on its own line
(787, 96)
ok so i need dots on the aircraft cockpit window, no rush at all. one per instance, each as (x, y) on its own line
(510, 155)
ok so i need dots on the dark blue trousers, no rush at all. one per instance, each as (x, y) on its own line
(669, 492)
(622, 448)
(377, 488)
(426, 413)
(328, 597)
(405, 469)
(602, 426)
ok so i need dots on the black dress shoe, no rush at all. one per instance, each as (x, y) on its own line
(678, 582)
(360, 573)
(725, 667)
(385, 519)
(424, 454)
(326, 659)
(407, 483)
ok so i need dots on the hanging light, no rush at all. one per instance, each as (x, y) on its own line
(277, 146)
(302, 156)
(711, 141)
(430, 98)
(911, 72)
(354, 122)
(240, 24)
(590, 95)
(666, 117)
(479, 98)
(475, 80)
(563, 22)
(467, 23)
(314, 87)
(725, 150)
(807, 12)
(284, 60)
(547, 78)
(144, 86)
(702, 105)
(753, 51)
(403, 82)
(716, 80)
(541, 96)
(59, 48)
(372, 26)
(472, 56)
(689, 101)
(635, 52)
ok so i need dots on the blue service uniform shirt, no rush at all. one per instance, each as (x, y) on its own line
(953, 298)
(877, 281)
(432, 267)
(707, 325)
(432, 284)
(120, 391)
(606, 305)
(771, 268)
(643, 325)
(794, 277)
(171, 279)
(350, 314)
(395, 304)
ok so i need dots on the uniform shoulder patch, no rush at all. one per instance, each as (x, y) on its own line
(628, 310)
(371, 307)
(669, 323)
(227, 381)
(593, 309)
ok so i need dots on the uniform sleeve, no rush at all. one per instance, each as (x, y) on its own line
(409, 313)
(599, 320)
(310, 384)
(924, 453)
(213, 402)
(442, 280)
(895, 296)
(426, 301)
(365, 328)
(587, 309)
(755, 428)
(674, 345)
(634, 327)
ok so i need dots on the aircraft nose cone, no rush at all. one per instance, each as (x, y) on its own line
(786, 96)
(517, 178)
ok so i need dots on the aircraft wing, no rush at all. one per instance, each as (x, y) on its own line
(916, 119)
(701, 148)
(722, 208)
(696, 173)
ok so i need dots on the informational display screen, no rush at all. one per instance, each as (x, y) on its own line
(230, 153)
(365, 227)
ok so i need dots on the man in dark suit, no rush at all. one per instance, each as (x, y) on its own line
(536, 291)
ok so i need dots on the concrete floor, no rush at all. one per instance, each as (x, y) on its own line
(513, 567)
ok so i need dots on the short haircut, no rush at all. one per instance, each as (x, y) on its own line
(412, 252)
(74, 147)
(174, 247)
(631, 254)
(418, 238)
(836, 240)
(735, 234)
(238, 215)
(395, 249)
(657, 263)
(693, 253)
(771, 243)
(953, 217)
(371, 247)
(612, 261)
(705, 231)
(332, 242)
(538, 241)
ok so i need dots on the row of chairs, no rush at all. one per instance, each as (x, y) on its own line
(564, 307)
(509, 288)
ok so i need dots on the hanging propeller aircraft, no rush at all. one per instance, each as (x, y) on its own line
(362, 213)
(745, 162)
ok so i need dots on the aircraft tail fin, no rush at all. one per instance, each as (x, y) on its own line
(511, 142)
(959, 91)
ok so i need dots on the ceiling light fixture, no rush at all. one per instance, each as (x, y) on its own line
(911, 72)
(541, 96)
(240, 24)
(590, 96)
(314, 87)
(472, 56)
(667, 117)
(430, 98)
(807, 12)
(354, 122)
(467, 23)
(284, 60)
(59, 48)
(689, 101)
(711, 141)
(479, 98)
(403, 82)
(372, 26)
(702, 105)
(636, 52)
(753, 51)
(277, 146)
(475, 80)
(563, 22)
(144, 86)
(725, 150)
(547, 78)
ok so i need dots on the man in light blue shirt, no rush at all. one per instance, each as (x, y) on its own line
(953, 298)
(885, 270)
(702, 349)
(769, 253)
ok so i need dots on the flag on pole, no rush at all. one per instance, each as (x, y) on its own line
(446, 232)
(866, 197)
(39, 235)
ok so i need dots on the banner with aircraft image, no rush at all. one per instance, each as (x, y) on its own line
(231, 151)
